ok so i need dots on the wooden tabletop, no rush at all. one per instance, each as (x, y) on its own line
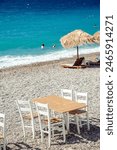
(59, 104)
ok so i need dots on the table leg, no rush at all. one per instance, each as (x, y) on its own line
(66, 119)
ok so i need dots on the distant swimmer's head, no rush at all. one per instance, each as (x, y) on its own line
(42, 46)
(54, 46)
(94, 25)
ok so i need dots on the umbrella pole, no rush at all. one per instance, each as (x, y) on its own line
(77, 52)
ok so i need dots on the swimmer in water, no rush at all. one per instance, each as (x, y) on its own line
(54, 46)
(94, 26)
(42, 46)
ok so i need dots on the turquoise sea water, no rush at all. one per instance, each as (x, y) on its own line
(26, 24)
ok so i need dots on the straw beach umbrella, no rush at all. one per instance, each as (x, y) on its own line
(76, 38)
(96, 37)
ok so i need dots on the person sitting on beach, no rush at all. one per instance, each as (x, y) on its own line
(98, 59)
(96, 62)
(42, 46)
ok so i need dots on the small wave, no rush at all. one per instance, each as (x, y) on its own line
(10, 61)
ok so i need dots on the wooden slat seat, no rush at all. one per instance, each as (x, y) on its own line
(77, 112)
(28, 116)
(52, 120)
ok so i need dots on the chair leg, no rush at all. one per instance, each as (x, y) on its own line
(80, 122)
(49, 138)
(77, 123)
(52, 132)
(42, 136)
(24, 131)
(64, 136)
(88, 124)
(64, 117)
(67, 120)
(4, 146)
(33, 131)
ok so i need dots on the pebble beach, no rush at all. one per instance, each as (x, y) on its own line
(43, 79)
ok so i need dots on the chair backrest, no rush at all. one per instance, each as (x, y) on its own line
(81, 97)
(2, 124)
(24, 107)
(43, 113)
(78, 61)
(66, 93)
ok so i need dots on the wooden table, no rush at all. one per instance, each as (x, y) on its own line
(59, 104)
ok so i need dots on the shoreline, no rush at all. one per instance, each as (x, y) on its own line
(89, 56)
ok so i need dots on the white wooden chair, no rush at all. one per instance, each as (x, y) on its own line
(67, 93)
(26, 115)
(2, 131)
(81, 116)
(47, 123)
